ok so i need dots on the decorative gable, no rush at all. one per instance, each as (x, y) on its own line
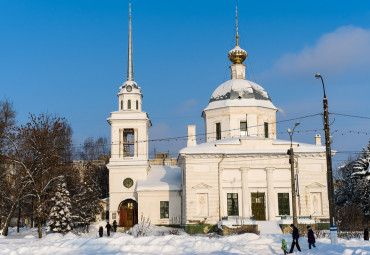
(202, 186)
(315, 185)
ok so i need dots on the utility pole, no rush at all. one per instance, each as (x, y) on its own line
(294, 202)
(329, 169)
(292, 175)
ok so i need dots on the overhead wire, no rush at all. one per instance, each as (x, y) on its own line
(211, 135)
(353, 116)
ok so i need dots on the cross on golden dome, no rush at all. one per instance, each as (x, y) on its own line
(237, 55)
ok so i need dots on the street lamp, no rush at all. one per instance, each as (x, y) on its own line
(333, 227)
(291, 161)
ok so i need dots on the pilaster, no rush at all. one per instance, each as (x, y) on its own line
(245, 192)
(270, 192)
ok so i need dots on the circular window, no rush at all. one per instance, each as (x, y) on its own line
(129, 88)
(128, 182)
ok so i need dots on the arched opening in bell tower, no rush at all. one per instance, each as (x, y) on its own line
(128, 136)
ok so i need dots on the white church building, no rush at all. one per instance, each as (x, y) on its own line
(241, 170)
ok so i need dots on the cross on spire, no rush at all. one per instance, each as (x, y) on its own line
(237, 28)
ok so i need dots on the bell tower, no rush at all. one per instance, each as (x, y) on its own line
(129, 125)
(129, 142)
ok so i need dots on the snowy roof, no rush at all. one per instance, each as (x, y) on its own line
(239, 92)
(161, 178)
(239, 145)
(135, 89)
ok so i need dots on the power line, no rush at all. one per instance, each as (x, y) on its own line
(212, 134)
(352, 116)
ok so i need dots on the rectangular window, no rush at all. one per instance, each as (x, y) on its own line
(165, 209)
(232, 204)
(128, 142)
(243, 128)
(283, 201)
(266, 125)
(113, 216)
(218, 131)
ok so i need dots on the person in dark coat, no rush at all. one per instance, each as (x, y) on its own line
(101, 231)
(295, 235)
(311, 238)
(108, 227)
(115, 226)
(366, 234)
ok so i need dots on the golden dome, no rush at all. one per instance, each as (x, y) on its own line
(237, 55)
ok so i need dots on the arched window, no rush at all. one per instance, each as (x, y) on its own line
(129, 104)
(121, 104)
(137, 105)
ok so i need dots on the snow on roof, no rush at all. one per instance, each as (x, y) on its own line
(135, 89)
(161, 178)
(217, 147)
(237, 48)
(239, 92)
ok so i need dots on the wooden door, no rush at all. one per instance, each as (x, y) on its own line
(128, 213)
(258, 206)
(130, 218)
(122, 217)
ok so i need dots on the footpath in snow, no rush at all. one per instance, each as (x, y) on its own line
(26, 242)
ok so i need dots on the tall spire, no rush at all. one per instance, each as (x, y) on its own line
(236, 21)
(130, 61)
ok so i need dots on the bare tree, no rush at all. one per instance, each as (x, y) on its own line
(7, 121)
(93, 149)
(42, 150)
(95, 153)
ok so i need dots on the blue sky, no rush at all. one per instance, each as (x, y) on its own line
(69, 58)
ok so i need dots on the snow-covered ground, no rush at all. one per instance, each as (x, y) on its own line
(26, 242)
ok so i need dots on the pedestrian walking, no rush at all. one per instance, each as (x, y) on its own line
(311, 238)
(295, 235)
(115, 226)
(284, 246)
(108, 227)
(101, 231)
(366, 234)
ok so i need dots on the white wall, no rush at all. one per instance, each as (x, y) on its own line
(230, 118)
(149, 206)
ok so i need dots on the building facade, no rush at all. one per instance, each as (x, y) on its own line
(242, 170)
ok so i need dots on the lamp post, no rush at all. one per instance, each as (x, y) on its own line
(333, 227)
(291, 161)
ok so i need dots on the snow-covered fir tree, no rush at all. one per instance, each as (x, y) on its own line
(60, 218)
(355, 183)
(86, 202)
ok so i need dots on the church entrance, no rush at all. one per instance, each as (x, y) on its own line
(258, 205)
(128, 213)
